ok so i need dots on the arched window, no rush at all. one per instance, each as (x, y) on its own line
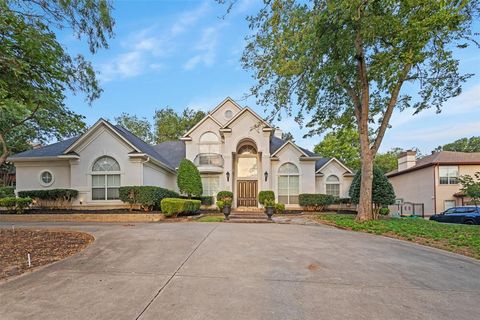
(332, 186)
(288, 183)
(105, 179)
(247, 149)
(209, 143)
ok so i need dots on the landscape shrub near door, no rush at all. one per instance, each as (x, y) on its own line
(266, 195)
(205, 200)
(15, 205)
(189, 180)
(315, 201)
(174, 206)
(51, 197)
(7, 192)
(222, 195)
(146, 197)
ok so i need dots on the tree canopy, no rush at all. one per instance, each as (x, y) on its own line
(37, 70)
(140, 127)
(346, 61)
(170, 125)
(462, 145)
(470, 186)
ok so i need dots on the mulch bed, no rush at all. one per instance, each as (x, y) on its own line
(44, 246)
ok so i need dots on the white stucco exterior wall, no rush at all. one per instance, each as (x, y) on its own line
(28, 174)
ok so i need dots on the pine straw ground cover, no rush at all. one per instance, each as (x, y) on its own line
(458, 238)
(44, 246)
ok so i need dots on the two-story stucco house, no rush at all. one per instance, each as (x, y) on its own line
(233, 148)
(433, 179)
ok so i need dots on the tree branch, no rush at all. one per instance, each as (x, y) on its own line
(352, 94)
(390, 107)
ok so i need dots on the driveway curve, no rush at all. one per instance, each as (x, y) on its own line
(244, 271)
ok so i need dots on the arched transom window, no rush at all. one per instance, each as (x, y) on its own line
(105, 179)
(209, 143)
(288, 183)
(332, 186)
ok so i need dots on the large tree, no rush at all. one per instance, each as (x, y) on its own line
(170, 125)
(349, 61)
(140, 127)
(462, 145)
(36, 70)
(342, 144)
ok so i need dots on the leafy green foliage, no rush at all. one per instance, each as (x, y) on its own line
(170, 125)
(50, 194)
(453, 237)
(315, 201)
(462, 145)
(147, 197)
(266, 195)
(384, 211)
(7, 192)
(387, 161)
(189, 181)
(279, 208)
(37, 70)
(173, 207)
(471, 186)
(15, 205)
(383, 193)
(140, 127)
(269, 203)
(222, 195)
(287, 136)
(346, 62)
(220, 204)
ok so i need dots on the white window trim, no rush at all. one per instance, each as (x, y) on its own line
(448, 176)
(288, 175)
(41, 181)
(333, 183)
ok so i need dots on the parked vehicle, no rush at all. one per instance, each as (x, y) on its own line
(465, 215)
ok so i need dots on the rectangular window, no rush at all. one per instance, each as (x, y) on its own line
(288, 189)
(210, 185)
(105, 187)
(333, 189)
(448, 174)
(448, 204)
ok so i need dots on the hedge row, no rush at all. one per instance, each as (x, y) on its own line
(7, 192)
(147, 197)
(315, 201)
(205, 200)
(174, 206)
(50, 195)
(15, 205)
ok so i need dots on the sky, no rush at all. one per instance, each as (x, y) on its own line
(187, 54)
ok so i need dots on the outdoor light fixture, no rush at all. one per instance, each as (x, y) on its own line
(266, 176)
(228, 176)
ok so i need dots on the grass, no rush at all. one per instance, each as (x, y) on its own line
(458, 238)
(211, 219)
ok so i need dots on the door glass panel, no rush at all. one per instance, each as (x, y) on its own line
(247, 167)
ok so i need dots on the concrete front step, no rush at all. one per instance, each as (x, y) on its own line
(249, 221)
(247, 209)
(248, 216)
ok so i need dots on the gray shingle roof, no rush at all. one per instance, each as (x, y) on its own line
(52, 150)
(172, 151)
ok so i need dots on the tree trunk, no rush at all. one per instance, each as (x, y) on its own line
(5, 151)
(365, 208)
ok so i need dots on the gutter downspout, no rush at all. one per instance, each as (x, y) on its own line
(143, 162)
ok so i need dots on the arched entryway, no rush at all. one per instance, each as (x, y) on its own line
(246, 169)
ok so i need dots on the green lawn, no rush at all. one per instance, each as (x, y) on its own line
(211, 219)
(463, 239)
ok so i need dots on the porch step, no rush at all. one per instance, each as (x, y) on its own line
(247, 209)
(248, 217)
(237, 220)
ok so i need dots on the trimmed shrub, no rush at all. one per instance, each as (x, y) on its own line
(315, 201)
(205, 200)
(222, 195)
(269, 203)
(266, 195)
(342, 201)
(147, 197)
(7, 192)
(175, 206)
(50, 197)
(188, 179)
(14, 204)
(384, 211)
(220, 205)
(280, 208)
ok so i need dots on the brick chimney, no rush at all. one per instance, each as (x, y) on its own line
(407, 159)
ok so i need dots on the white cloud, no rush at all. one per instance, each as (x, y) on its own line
(206, 49)
(125, 65)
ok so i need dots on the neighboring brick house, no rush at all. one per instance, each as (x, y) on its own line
(433, 179)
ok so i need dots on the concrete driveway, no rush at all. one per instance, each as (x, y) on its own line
(245, 271)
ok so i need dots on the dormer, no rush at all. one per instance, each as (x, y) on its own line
(226, 110)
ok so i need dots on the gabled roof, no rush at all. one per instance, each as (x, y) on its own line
(208, 116)
(289, 142)
(227, 99)
(336, 160)
(62, 148)
(441, 158)
(52, 150)
(244, 110)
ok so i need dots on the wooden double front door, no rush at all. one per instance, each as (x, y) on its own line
(247, 191)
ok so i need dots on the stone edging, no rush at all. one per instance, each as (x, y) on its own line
(83, 217)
